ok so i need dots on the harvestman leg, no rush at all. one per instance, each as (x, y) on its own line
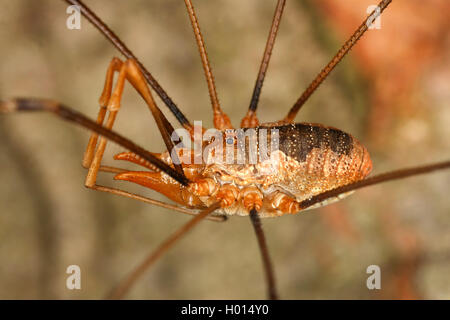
(108, 102)
(114, 66)
(250, 120)
(221, 120)
(267, 263)
(125, 285)
(334, 61)
(88, 156)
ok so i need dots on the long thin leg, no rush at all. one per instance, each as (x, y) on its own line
(250, 120)
(70, 115)
(268, 269)
(115, 40)
(336, 59)
(221, 120)
(125, 285)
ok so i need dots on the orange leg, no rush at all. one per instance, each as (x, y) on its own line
(250, 120)
(252, 198)
(228, 195)
(92, 155)
(171, 189)
(285, 203)
(114, 66)
(221, 120)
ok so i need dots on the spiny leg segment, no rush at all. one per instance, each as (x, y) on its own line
(221, 120)
(250, 120)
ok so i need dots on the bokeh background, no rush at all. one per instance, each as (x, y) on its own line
(392, 92)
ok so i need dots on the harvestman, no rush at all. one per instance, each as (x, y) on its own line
(317, 164)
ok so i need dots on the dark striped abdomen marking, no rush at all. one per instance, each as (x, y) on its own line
(297, 140)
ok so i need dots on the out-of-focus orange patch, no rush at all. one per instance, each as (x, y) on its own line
(412, 36)
(337, 219)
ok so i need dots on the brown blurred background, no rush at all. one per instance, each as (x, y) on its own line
(392, 93)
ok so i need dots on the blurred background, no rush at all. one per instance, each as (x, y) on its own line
(392, 93)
